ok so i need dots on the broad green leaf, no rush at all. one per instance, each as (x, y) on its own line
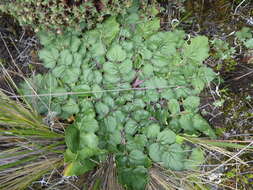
(191, 103)
(147, 70)
(89, 140)
(71, 107)
(174, 106)
(88, 124)
(112, 79)
(195, 160)
(71, 75)
(125, 67)
(49, 57)
(75, 44)
(151, 96)
(174, 124)
(46, 38)
(69, 156)
(140, 115)
(249, 43)
(183, 92)
(83, 49)
(108, 100)
(137, 157)
(131, 127)
(134, 178)
(72, 138)
(166, 137)
(168, 94)
(102, 108)
(244, 33)
(97, 91)
(115, 138)
(156, 82)
(145, 53)
(98, 49)
(207, 74)
(147, 28)
(97, 77)
(110, 29)
(87, 152)
(127, 45)
(48, 82)
(198, 84)
(139, 104)
(119, 115)
(110, 68)
(59, 71)
(154, 152)
(160, 61)
(152, 130)
(200, 124)
(92, 36)
(116, 53)
(77, 60)
(110, 124)
(186, 122)
(66, 57)
(137, 143)
(82, 90)
(171, 161)
(61, 94)
(77, 168)
(198, 49)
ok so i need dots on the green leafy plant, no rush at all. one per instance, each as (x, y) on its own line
(222, 49)
(62, 14)
(133, 90)
(245, 37)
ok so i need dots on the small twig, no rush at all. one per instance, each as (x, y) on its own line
(238, 7)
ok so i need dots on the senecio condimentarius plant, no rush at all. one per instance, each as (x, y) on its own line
(134, 90)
